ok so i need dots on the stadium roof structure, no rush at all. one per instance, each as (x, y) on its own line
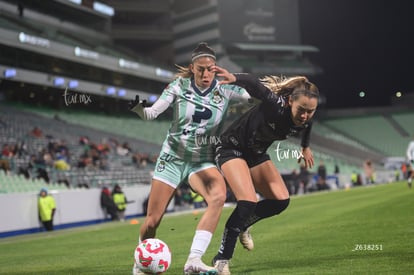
(275, 47)
(280, 59)
(48, 45)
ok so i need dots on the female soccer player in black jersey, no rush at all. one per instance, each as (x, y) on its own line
(286, 108)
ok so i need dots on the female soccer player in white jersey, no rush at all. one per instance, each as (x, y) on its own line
(286, 108)
(199, 103)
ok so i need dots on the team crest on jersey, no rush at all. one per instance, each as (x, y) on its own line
(161, 166)
(217, 98)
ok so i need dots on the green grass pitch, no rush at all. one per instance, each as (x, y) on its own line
(365, 230)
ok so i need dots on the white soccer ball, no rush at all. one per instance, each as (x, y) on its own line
(152, 256)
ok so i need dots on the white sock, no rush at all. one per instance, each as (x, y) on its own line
(409, 180)
(200, 243)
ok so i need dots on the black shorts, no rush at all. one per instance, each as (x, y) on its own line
(224, 154)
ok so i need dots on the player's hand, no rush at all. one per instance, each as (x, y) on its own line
(227, 77)
(132, 104)
(307, 157)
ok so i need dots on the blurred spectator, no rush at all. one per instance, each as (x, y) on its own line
(83, 140)
(397, 174)
(5, 157)
(404, 170)
(182, 197)
(5, 165)
(336, 169)
(369, 172)
(336, 173)
(36, 132)
(61, 164)
(120, 201)
(303, 177)
(108, 204)
(356, 179)
(321, 184)
(294, 182)
(123, 150)
(197, 199)
(46, 208)
(7, 151)
(37, 167)
(84, 161)
(142, 159)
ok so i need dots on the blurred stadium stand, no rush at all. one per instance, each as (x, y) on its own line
(108, 51)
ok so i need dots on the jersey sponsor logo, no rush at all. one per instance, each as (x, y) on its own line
(161, 166)
(237, 153)
(185, 132)
(234, 140)
(272, 125)
(287, 153)
(292, 132)
(217, 98)
(200, 114)
(166, 157)
(201, 140)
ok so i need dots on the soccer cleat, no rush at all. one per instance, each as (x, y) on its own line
(246, 239)
(195, 266)
(222, 266)
(136, 270)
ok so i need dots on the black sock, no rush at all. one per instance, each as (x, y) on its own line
(233, 228)
(264, 209)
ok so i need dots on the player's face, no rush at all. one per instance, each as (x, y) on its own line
(303, 109)
(202, 70)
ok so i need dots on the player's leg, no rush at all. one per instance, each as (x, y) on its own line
(237, 174)
(410, 175)
(210, 184)
(270, 184)
(159, 198)
(167, 176)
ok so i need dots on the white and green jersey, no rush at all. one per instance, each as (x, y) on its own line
(197, 118)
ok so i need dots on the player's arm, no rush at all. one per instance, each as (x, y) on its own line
(240, 95)
(252, 84)
(148, 113)
(307, 154)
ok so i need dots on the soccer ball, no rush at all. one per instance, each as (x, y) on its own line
(152, 256)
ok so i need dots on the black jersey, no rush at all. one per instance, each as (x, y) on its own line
(270, 120)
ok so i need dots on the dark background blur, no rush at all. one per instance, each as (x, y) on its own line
(364, 46)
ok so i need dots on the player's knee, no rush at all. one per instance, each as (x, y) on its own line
(270, 207)
(280, 205)
(217, 200)
(216, 196)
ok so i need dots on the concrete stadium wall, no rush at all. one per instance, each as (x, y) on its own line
(19, 214)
